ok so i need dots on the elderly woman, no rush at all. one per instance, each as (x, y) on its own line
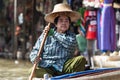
(57, 56)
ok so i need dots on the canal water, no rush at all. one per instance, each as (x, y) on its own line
(14, 69)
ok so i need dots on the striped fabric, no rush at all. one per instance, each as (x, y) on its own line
(57, 49)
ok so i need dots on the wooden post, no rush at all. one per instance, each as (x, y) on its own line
(15, 24)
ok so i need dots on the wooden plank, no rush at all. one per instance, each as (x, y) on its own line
(106, 61)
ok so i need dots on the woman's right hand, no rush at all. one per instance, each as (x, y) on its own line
(37, 60)
(46, 29)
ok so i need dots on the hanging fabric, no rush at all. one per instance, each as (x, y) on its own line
(118, 27)
(108, 37)
(92, 3)
(90, 17)
(99, 28)
(81, 21)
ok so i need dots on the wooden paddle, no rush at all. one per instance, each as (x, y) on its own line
(39, 52)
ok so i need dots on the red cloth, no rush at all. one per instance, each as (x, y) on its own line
(90, 17)
(91, 32)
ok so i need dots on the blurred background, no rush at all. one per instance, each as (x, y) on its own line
(22, 22)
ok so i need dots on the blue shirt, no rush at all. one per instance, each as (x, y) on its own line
(57, 49)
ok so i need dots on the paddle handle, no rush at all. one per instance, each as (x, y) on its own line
(39, 52)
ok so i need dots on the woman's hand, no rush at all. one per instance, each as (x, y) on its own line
(37, 60)
(47, 28)
(76, 53)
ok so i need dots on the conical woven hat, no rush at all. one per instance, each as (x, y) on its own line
(62, 9)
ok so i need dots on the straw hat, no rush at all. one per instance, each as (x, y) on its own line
(62, 9)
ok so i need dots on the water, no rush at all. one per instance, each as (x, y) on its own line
(14, 70)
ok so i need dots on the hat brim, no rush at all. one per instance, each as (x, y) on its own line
(74, 16)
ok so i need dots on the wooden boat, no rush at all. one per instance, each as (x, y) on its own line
(98, 74)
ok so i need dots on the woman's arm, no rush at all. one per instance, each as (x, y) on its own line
(35, 49)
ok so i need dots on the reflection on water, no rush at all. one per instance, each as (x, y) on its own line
(14, 70)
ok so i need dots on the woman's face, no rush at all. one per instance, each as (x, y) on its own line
(62, 24)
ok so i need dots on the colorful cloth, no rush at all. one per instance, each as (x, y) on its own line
(99, 28)
(90, 17)
(108, 37)
(82, 42)
(118, 27)
(81, 21)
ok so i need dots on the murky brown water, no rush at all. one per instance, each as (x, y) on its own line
(14, 70)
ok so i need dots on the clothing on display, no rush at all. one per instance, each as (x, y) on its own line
(81, 21)
(92, 3)
(108, 37)
(90, 17)
(118, 27)
(82, 43)
(99, 28)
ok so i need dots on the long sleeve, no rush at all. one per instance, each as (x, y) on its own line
(35, 49)
(57, 49)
